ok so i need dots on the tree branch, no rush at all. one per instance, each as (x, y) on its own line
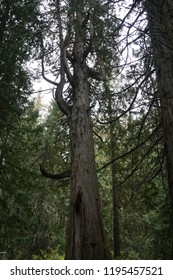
(139, 163)
(59, 176)
(62, 104)
(145, 75)
(42, 63)
(130, 151)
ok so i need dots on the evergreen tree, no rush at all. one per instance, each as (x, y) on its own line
(160, 28)
(81, 26)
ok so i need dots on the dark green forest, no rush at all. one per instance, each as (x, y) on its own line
(88, 175)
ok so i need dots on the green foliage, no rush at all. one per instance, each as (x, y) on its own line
(53, 254)
(16, 44)
(34, 209)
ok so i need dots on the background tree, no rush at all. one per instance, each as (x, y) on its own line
(25, 223)
(160, 28)
(15, 48)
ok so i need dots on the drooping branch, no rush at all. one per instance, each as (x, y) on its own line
(47, 174)
(141, 160)
(145, 75)
(59, 176)
(132, 150)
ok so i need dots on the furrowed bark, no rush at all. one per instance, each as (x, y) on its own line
(161, 31)
(86, 239)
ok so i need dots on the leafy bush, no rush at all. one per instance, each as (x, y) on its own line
(53, 254)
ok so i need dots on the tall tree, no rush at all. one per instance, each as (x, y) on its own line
(160, 24)
(81, 26)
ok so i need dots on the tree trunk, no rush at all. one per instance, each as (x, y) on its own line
(86, 238)
(116, 230)
(161, 31)
(115, 200)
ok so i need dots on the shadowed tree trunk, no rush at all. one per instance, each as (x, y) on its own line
(85, 236)
(160, 17)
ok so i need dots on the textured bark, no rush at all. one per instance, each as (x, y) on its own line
(161, 31)
(86, 238)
